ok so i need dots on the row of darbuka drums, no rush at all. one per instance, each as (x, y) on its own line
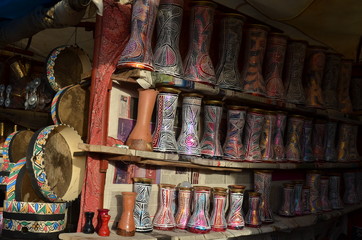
(272, 66)
(253, 135)
(41, 175)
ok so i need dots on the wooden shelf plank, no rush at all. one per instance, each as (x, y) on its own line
(26, 118)
(281, 224)
(167, 159)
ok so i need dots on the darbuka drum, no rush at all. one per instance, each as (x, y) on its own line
(16, 145)
(56, 174)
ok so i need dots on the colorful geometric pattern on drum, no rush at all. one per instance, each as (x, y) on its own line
(167, 57)
(184, 209)
(141, 215)
(262, 185)
(252, 217)
(34, 208)
(217, 217)
(199, 221)
(293, 146)
(50, 67)
(235, 216)
(298, 207)
(138, 51)
(313, 180)
(287, 207)
(251, 74)
(210, 143)
(233, 146)
(198, 65)
(266, 147)
(227, 70)
(164, 219)
(54, 106)
(188, 141)
(306, 200)
(273, 68)
(6, 147)
(253, 127)
(330, 80)
(11, 180)
(294, 64)
(5, 168)
(163, 138)
(34, 226)
(306, 141)
(318, 143)
(278, 138)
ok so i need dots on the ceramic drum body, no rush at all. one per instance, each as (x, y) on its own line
(318, 143)
(197, 64)
(57, 174)
(314, 182)
(273, 67)
(218, 220)
(167, 57)
(334, 192)
(164, 218)
(199, 221)
(142, 186)
(330, 142)
(252, 217)
(184, 207)
(227, 71)
(138, 51)
(344, 100)
(306, 141)
(325, 203)
(330, 80)
(255, 45)
(266, 141)
(293, 146)
(262, 185)
(287, 206)
(343, 147)
(163, 138)
(254, 123)
(278, 136)
(235, 216)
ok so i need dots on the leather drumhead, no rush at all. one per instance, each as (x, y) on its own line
(23, 189)
(19, 145)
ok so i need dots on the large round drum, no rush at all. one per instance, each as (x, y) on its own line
(70, 106)
(65, 66)
(16, 145)
(56, 174)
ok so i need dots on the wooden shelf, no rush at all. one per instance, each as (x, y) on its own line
(26, 118)
(281, 224)
(246, 99)
(172, 160)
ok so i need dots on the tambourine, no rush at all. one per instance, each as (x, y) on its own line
(31, 220)
(65, 66)
(16, 145)
(70, 106)
(56, 174)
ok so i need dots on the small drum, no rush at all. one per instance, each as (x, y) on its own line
(16, 145)
(55, 173)
(70, 106)
(65, 66)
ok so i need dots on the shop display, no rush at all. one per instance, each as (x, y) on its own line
(88, 227)
(287, 206)
(217, 217)
(167, 57)
(252, 217)
(318, 141)
(233, 146)
(273, 66)
(184, 207)
(293, 71)
(164, 218)
(262, 185)
(126, 225)
(163, 138)
(57, 174)
(278, 137)
(313, 180)
(350, 191)
(227, 71)
(197, 64)
(330, 153)
(138, 51)
(330, 80)
(344, 101)
(254, 123)
(210, 144)
(334, 192)
(235, 216)
(313, 76)
(142, 186)
(294, 131)
(141, 138)
(255, 44)
(306, 140)
(325, 203)
(188, 140)
(266, 139)
(199, 221)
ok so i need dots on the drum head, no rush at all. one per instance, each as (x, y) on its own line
(23, 189)
(19, 145)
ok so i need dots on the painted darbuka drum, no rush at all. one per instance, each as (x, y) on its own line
(167, 57)
(217, 217)
(306, 141)
(330, 80)
(199, 221)
(197, 64)
(142, 186)
(293, 71)
(278, 137)
(313, 180)
(210, 143)
(313, 76)
(235, 216)
(350, 193)
(334, 192)
(262, 185)
(252, 217)
(138, 51)
(70, 106)
(184, 207)
(60, 73)
(325, 204)
(255, 45)
(163, 138)
(306, 200)
(344, 133)
(330, 154)
(297, 200)
(254, 123)
(266, 146)
(233, 146)
(16, 145)
(273, 66)
(32, 220)
(345, 104)
(56, 174)
(318, 141)
(227, 70)
(164, 218)
(287, 206)
(293, 146)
